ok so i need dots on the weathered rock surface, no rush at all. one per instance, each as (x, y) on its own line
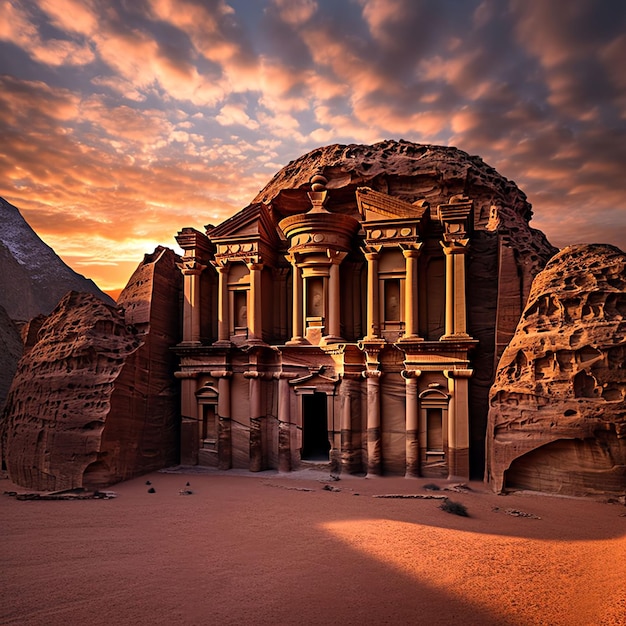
(32, 277)
(505, 253)
(557, 420)
(94, 401)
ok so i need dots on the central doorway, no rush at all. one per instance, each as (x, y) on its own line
(315, 442)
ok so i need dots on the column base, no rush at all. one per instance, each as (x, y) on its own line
(223, 343)
(454, 337)
(327, 339)
(411, 338)
(297, 341)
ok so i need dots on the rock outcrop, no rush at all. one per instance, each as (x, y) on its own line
(505, 253)
(557, 420)
(32, 277)
(94, 400)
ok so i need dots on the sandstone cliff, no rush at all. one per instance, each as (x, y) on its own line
(32, 277)
(557, 420)
(94, 400)
(505, 253)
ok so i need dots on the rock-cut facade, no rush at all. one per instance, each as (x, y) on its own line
(353, 313)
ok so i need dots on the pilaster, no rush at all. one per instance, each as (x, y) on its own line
(411, 312)
(224, 433)
(255, 306)
(458, 423)
(373, 323)
(223, 331)
(412, 424)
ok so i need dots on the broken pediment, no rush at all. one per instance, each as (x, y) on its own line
(374, 206)
(253, 222)
(246, 235)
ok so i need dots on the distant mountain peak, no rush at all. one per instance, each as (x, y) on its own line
(33, 278)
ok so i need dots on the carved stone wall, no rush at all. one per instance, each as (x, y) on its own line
(557, 420)
(504, 255)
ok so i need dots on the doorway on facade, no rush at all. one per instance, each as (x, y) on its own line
(315, 442)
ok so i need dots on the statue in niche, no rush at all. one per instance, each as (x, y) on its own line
(242, 319)
(316, 307)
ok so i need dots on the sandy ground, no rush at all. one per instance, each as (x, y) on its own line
(281, 549)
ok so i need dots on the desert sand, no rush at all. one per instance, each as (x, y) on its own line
(283, 549)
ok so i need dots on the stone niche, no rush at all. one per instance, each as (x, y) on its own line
(557, 419)
(94, 400)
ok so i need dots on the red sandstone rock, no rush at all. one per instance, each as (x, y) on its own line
(94, 401)
(557, 420)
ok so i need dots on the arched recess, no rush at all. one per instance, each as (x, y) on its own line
(208, 436)
(97, 475)
(573, 467)
(433, 432)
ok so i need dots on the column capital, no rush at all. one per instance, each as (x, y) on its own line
(458, 373)
(182, 374)
(191, 266)
(254, 265)
(335, 256)
(220, 373)
(374, 374)
(285, 375)
(456, 246)
(371, 255)
(221, 265)
(413, 251)
(410, 374)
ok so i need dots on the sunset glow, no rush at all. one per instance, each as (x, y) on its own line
(123, 122)
(493, 574)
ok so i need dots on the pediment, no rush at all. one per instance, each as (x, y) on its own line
(252, 223)
(314, 382)
(377, 206)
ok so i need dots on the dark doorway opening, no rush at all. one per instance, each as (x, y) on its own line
(315, 443)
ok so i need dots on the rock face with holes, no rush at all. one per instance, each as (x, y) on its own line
(557, 419)
(94, 400)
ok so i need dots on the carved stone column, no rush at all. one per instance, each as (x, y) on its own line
(298, 299)
(455, 291)
(198, 252)
(456, 219)
(411, 310)
(412, 424)
(255, 306)
(256, 432)
(223, 328)
(224, 427)
(458, 423)
(189, 440)
(191, 269)
(373, 323)
(348, 390)
(374, 432)
(334, 298)
(284, 422)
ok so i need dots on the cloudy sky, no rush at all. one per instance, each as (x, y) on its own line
(121, 121)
